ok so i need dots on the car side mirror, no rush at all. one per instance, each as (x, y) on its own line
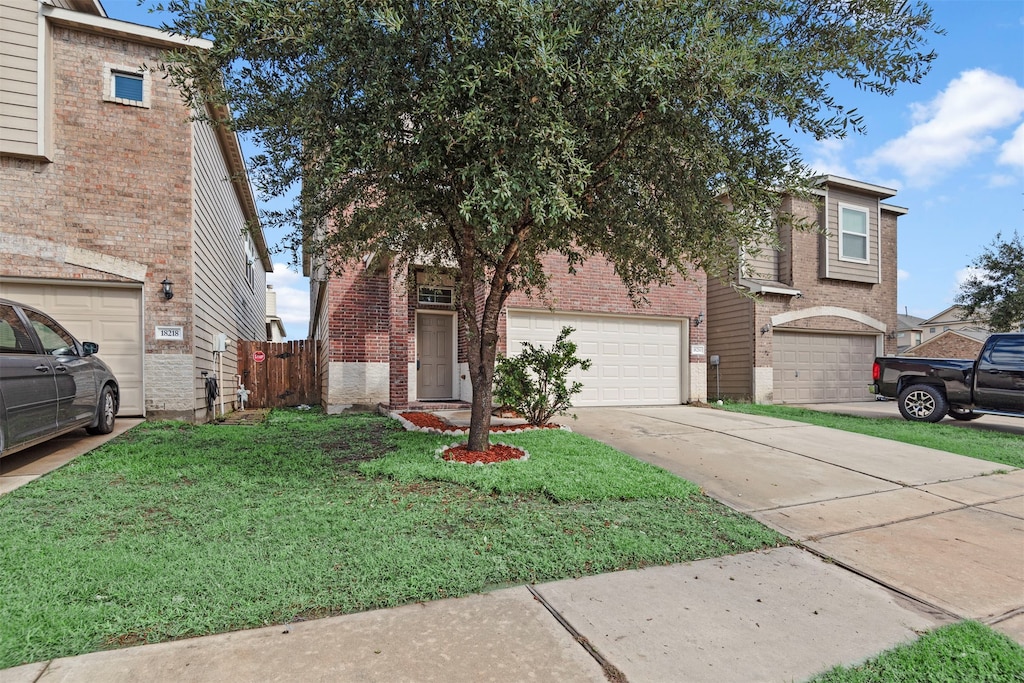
(90, 348)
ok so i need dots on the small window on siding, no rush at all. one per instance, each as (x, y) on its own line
(126, 85)
(250, 263)
(436, 295)
(853, 234)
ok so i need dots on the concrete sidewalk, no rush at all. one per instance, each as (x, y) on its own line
(913, 538)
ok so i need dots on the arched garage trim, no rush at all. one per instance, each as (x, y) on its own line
(835, 311)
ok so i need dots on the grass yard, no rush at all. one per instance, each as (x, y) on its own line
(958, 653)
(174, 530)
(1000, 447)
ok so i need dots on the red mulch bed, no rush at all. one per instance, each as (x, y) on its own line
(434, 422)
(496, 453)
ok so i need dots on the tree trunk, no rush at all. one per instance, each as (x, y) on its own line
(482, 330)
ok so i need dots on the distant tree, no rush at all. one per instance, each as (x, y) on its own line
(486, 133)
(995, 289)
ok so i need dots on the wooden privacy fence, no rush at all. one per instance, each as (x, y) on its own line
(279, 374)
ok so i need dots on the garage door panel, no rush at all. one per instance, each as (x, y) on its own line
(636, 361)
(108, 316)
(821, 367)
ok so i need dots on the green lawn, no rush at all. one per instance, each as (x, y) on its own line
(174, 530)
(1000, 447)
(958, 653)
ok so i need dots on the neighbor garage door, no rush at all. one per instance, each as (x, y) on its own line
(636, 361)
(821, 368)
(109, 316)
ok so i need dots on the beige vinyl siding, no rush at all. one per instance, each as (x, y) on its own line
(224, 299)
(730, 322)
(832, 266)
(761, 263)
(19, 77)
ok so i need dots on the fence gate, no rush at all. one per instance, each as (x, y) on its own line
(279, 374)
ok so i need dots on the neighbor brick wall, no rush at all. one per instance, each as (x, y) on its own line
(947, 345)
(119, 182)
(801, 260)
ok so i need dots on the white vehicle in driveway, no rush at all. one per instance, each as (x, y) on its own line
(50, 383)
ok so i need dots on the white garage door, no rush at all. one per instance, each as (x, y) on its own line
(822, 368)
(636, 361)
(109, 316)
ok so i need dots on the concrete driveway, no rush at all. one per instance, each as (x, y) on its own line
(943, 529)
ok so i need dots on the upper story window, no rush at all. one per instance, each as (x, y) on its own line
(853, 234)
(436, 295)
(250, 263)
(126, 85)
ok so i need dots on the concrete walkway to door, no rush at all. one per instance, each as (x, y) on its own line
(943, 529)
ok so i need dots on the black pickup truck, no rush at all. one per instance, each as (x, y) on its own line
(930, 388)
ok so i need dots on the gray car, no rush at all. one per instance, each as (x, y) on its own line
(50, 383)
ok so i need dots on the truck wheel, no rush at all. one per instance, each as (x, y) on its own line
(922, 403)
(105, 412)
(963, 415)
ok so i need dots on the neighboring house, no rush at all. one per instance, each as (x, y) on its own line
(950, 319)
(962, 343)
(393, 338)
(825, 306)
(108, 190)
(275, 326)
(908, 331)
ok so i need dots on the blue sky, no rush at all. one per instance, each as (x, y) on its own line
(952, 146)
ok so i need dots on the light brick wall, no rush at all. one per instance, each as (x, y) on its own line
(947, 346)
(169, 385)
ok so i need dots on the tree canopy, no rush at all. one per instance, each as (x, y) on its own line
(490, 132)
(995, 289)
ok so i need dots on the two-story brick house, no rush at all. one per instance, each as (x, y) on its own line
(108, 190)
(825, 305)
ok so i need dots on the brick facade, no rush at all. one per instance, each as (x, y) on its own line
(371, 321)
(949, 344)
(118, 183)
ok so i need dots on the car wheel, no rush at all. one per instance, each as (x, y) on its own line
(105, 410)
(922, 403)
(963, 415)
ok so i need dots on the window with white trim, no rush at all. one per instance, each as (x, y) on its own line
(436, 295)
(126, 85)
(853, 234)
(250, 262)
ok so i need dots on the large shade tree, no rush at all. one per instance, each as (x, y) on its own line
(486, 133)
(995, 288)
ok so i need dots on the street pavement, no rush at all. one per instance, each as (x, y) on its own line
(892, 540)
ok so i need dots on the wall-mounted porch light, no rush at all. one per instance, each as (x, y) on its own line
(699, 319)
(168, 289)
(766, 328)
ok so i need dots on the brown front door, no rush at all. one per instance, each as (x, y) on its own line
(434, 356)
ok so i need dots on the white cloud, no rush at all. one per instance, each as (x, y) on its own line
(965, 274)
(1001, 180)
(902, 275)
(826, 159)
(292, 300)
(953, 127)
(1012, 151)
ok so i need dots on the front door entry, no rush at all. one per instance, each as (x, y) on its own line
(434, 356)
